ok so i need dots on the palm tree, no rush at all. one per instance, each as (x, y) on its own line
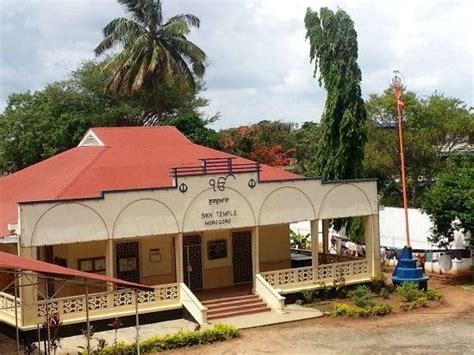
(153, 53)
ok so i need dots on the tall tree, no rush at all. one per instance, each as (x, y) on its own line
(435, 127)
(306, 142)
(155, 55)
(334, 51)
(450, 201)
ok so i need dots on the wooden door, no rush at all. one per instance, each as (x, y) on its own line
(192, 261)
(128, 261)
(242, 257)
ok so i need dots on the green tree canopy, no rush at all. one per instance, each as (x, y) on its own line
(195, 128)
(435, 127)
(450, 201)
(154, 55)
(35, 126)
(334, 51)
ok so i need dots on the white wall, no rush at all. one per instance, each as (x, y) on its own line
(392, 229)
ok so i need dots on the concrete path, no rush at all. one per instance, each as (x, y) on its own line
(70, 345)
(127, 335)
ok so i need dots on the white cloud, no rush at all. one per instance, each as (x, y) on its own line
(259, 64)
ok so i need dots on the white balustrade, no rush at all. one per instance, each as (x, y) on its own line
(324, 273)
(118, 301)
(193, 305)
(288, 276)
(7, 307)
(269, 295)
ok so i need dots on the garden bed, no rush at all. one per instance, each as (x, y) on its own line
(383, 300)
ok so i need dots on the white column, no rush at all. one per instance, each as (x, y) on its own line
(369, 243)
(376, 243)
(255, 256)
(178, 256)
(109, 262)
(314, 247)
(325, 236)
(256, 249)
(29, 290)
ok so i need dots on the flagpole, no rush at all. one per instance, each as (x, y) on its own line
(396, 81)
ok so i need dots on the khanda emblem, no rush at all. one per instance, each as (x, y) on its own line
(219, 184)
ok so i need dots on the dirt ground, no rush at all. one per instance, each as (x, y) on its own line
(439, 329)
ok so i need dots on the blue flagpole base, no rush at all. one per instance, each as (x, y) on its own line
(407, 270)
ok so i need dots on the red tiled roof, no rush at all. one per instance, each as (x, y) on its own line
(18, 263)
(130, 158)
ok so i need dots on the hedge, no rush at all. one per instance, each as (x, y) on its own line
(219, 332)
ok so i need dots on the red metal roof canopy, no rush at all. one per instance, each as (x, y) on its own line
(19, 263)
(126, 158)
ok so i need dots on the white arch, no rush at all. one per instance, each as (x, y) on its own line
(298, 206)
(143, 217)
(346, 200)
(245, 218)
(69, 222)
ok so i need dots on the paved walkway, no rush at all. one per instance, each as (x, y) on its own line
(70, 345)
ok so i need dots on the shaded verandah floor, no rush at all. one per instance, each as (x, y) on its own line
(224, 292)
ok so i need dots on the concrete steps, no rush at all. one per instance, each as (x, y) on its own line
(234, 306)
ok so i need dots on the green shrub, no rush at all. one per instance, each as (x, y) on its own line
(119, 348)
(378, 282)
(309, 295)
(219, 332)
(418, 303)
(339, 284)
(410, 292)
(433, 295)
(360, 292)
(380, 309)
(362, 296)
(413, 297)
(384, 293)
(347, 310)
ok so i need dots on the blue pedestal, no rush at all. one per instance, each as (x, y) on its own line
(408, 271)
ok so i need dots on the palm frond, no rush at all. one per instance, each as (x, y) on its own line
(152, 53)
(152, 13)
(140, 75)
(182, 67)
(190, 19)
(135, 9)
(175, 28)
(119, 30)
(192, 53)
(154, 59)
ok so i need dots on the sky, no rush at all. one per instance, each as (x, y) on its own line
(258, 58)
